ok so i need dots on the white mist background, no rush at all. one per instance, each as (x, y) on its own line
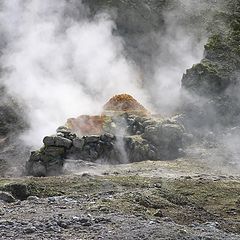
(60, 72)
(60, 66)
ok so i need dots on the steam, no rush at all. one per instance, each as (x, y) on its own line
(59, 61)
(178, 45)
(59, 65)
(178, 53)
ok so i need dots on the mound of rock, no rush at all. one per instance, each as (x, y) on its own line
(124, 103)
(119, 138)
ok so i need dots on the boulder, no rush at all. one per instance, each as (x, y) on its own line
(167, 137)
(18, 190)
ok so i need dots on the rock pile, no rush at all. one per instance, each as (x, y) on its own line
(123, 135)
(125, 103)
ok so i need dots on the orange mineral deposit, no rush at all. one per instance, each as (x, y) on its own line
(118, 104)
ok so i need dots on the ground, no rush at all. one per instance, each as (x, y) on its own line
(181, 199)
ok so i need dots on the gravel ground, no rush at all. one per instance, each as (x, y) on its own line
(183, 199)
(64, 218)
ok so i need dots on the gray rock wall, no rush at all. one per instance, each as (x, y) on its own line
(142, 139)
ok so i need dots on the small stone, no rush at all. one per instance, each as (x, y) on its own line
(59, 134)
(183, 231)
(7, 197)
(86, 175)
(63, 129)
(29, 230)
(158, 213)
(76, 218)
(33, 198)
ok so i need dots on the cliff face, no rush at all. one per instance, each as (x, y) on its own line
(216, 77)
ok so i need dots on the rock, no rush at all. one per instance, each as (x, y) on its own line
(29, 229)
(38, 170)
(63, 129)
(91, 139)
(107, 137)
(124, 103)
(49, 141)
(215, 78)
(166, 137)
(18, 190)
(78, 143)
(57, 141)
(138, 149)
(158, 213)
(53, 151)
(35, 156)
(7, 197)
(65, 132)
(33, 198)
(62, 142)
(41, 161)
(92, 147)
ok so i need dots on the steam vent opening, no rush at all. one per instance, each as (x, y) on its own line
(125, 132)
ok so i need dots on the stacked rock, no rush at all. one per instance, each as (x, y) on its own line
(116, 138)
(50, 158)
(141, 139)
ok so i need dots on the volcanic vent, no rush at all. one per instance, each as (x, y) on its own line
(91, 138)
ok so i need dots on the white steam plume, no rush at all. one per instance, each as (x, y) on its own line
(59, 65)
(178, 49)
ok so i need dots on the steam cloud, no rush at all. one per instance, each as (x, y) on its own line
(60, 66)
(60, 62)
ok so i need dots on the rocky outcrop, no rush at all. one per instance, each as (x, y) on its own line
(130, 138)
(214, 82)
